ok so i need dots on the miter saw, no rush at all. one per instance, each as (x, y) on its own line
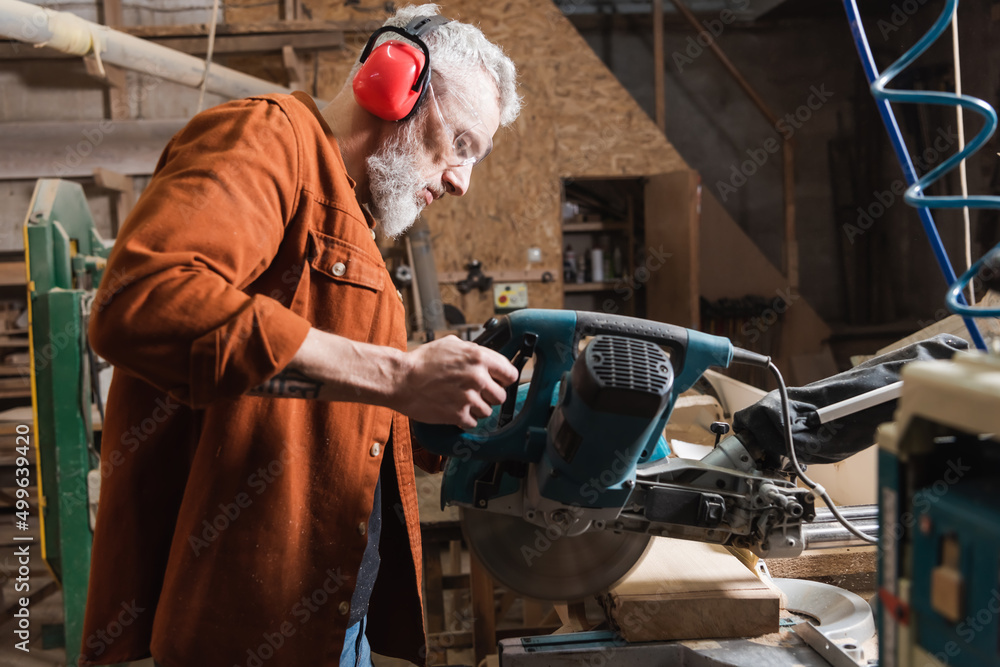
(567, 482)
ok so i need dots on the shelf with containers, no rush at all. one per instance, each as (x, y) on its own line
(600, 231)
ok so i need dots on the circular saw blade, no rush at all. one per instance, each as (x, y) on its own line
(550, 566)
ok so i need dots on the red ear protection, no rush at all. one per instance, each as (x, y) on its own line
(393, 77)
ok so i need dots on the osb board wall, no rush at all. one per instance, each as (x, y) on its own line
(577, 121)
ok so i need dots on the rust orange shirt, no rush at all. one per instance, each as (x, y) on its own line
(230, 527)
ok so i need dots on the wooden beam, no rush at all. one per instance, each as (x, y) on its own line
(74, 149)
(294, 68)
(12, 273)
(254, 43)
(111, 76)
(230, 38)
(112, 13)
(272, 27)
(112, 180)
(659, 68)
(124, 200)
(673, 204)
(484, 635)
(291, 9)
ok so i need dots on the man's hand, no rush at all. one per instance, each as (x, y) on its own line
(451, 381)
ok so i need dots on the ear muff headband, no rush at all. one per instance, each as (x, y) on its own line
(386, 84)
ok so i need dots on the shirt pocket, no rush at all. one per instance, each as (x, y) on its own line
(345, 287)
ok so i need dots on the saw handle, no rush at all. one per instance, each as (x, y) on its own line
(506, 436)
(521, 357)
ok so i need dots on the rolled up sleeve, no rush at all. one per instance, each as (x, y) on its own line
(171, 309)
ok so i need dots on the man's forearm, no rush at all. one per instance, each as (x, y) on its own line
(333, 368)
(447, 381)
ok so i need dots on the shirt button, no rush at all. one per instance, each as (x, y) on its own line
(362, 529)
(399, 294)
(376, 448)
(373, 233)
(344, 608)
(338, 269)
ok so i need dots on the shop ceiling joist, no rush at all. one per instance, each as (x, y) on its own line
(229, 38)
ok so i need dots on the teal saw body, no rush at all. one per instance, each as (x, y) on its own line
(544, 478)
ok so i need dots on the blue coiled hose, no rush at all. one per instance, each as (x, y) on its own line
(917, 186)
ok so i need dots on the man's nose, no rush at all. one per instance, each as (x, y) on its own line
(456, 180)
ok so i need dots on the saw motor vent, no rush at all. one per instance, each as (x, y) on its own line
(623, 376)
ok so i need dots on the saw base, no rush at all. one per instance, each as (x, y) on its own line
(606, 648)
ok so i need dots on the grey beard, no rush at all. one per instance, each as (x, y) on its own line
(395, 182)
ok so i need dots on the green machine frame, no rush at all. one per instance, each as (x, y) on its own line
(65, 258)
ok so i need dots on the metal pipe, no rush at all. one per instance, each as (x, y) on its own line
(791, 252)
(425, 276)
(832, 535)
(850, 512)
(71, 34)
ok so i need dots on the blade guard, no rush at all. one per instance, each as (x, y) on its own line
(558, 335)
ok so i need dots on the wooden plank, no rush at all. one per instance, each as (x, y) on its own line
(74, 149)
(691, 590)
(271, 27)
(825, 563)
(571, 227)
(124, 199)
(198, 45)
(12, 273)
(484, 636)
(293, 67)
(34, 597)
(112, 180)
(606, 286)
(13, 370)
(673, 204)
(434, 592)
(254, 43)
(112, 12)
(291, 9)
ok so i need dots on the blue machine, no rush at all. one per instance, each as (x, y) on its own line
(939, 567)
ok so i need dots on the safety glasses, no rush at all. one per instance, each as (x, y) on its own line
(471, 141)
